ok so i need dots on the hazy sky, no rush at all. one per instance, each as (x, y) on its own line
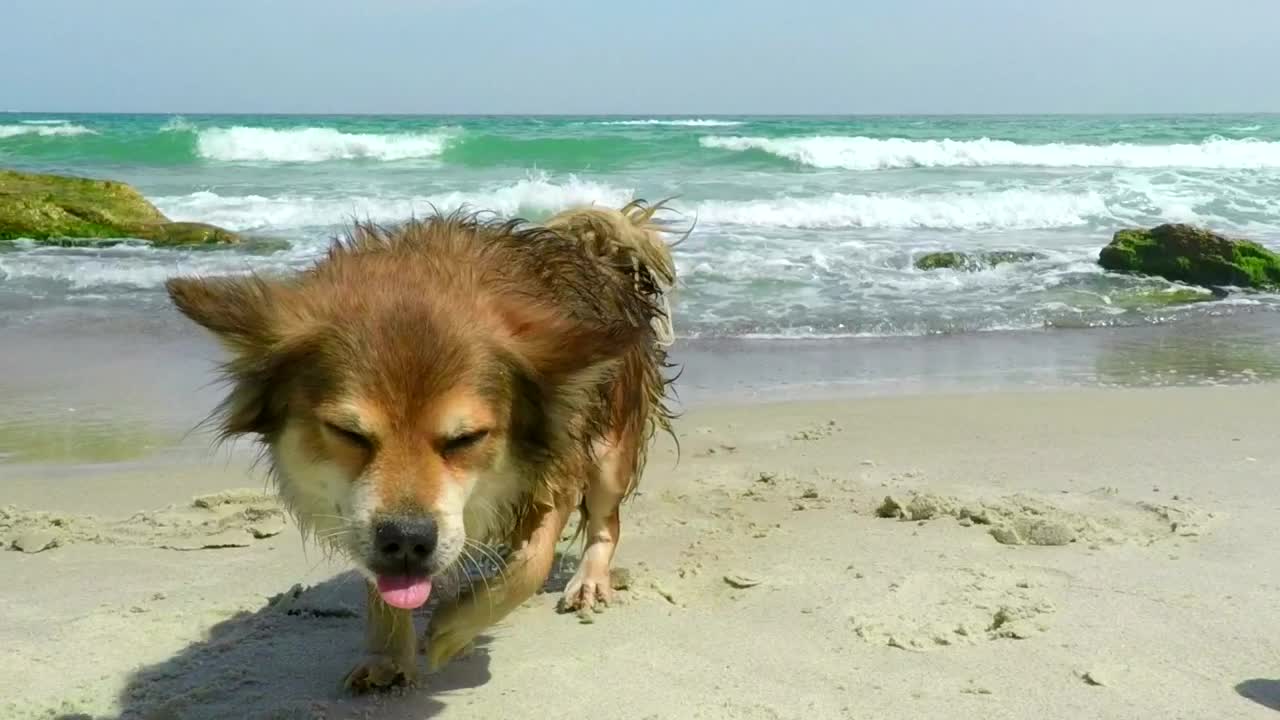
(656, 56)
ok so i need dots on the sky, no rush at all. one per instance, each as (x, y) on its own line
(649, 57)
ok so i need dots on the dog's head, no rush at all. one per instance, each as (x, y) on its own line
(401, 401)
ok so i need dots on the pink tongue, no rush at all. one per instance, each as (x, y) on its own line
(404, 591)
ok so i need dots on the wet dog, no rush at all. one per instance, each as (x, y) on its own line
(448, 385)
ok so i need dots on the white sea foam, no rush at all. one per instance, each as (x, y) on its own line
(1009, 209)
(533, 195)
(44, 129)
(44, 122)
(138, 267)
(864, 153)
(1000, 210)
(314, 144)
(686, 122)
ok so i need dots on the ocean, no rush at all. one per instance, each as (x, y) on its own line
(802, 227)
(797, 273)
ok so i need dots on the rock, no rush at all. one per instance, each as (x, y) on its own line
(64, 210)
(921, 506)
(1033, 531)
(620, 578)
(269, 527)
(1103, 675)
(889, 508)
(1018, 622)
(1049, 532)
(34, 541)
(1006, 535)
(928, 507)
(187, 233)
(665, 592)
(741, 581)
(967, 262)
(1093, 677)
(1193, 255)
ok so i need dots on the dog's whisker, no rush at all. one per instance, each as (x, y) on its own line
(471, 577)
(488, 590)
(490, 554)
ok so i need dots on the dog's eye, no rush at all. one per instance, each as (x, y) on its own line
(355, 438)
(461, 442)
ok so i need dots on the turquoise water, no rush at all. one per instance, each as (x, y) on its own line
(804, 226)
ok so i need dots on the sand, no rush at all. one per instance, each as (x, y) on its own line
(1055, 554)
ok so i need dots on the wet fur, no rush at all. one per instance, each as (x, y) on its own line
(553, 334)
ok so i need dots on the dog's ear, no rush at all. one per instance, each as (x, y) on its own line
(255, 319)
(239, 310)
(559, 347)
(560, 362)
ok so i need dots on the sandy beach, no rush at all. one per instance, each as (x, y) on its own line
(971, 312)
(1092, 553)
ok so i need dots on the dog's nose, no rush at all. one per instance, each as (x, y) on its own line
(405, 543)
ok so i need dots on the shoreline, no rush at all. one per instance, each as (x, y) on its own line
(89, 394)
(896, 615)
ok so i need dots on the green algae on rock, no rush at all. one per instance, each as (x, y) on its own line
(63, 210)
(973, 262)
(1185, 253)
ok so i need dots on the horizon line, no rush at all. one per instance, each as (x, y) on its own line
(690, 115)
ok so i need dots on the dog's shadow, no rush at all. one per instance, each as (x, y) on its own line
(1265, 692)
(288, 660)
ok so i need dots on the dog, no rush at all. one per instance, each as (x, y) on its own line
(446, 386)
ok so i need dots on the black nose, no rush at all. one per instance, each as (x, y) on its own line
(404, 544)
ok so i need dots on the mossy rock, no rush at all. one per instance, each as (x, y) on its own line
(187, 233)
(56, 209)
(967, 262)
(1184, 253)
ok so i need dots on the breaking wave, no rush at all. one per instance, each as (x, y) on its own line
(1001, 210)
(534, 195)
(44, 129)
(864, 153)
(304, 145)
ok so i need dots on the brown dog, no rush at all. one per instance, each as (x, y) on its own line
(447, 385)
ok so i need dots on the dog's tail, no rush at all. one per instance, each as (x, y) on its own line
(630, 241)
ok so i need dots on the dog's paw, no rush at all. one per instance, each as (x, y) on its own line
(452, 632)
(379, 672)
(587, 592)
(445, 644)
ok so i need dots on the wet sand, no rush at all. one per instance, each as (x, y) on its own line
(92, 388)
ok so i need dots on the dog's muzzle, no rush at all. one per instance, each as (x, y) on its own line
(403, 548)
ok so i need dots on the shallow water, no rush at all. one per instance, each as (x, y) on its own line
(96, 387)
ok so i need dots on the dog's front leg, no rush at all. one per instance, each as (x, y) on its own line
(455, 626)
(392, 647)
